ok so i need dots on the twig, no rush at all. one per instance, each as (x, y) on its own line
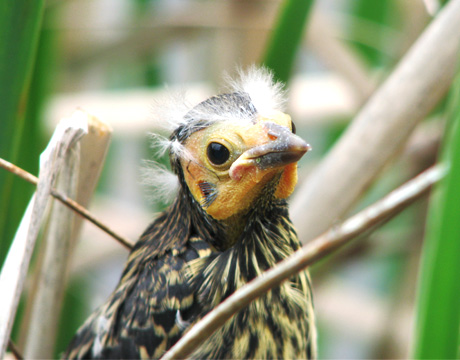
(325, 244)
(14, 350)
(381, 128)
(67, 201)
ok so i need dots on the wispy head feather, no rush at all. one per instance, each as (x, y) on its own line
(169, 111)
(267, 95)
(162, 185)
(253, 93)
(160, 144)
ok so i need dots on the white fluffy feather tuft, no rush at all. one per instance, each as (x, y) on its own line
(267, 95)
(160, 144)
(168, 112)
(161, 183)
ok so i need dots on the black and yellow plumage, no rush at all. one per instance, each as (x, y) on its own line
(235, 159)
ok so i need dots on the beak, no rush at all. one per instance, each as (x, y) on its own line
(283, 149)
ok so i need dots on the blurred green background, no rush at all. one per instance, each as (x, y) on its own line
(114, 57)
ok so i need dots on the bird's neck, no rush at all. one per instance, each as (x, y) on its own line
(268, 237)
(264, 241)
(235, 229)
(186, 218)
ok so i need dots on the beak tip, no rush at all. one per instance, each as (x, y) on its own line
(304, 147)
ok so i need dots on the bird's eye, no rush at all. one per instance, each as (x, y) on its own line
(218, 154)
(293, 127)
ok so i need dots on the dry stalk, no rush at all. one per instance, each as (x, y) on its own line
(14, 271)
(381, 128)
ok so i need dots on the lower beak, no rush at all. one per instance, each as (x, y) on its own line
(283, 149)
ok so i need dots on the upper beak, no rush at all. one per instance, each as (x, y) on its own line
(283, 149)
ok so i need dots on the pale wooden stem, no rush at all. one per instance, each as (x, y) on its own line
(49, 279)
(94, 147)
(77, 180)
(14, 271)
(381, 128)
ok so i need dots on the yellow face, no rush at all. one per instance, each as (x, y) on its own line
(230, 163)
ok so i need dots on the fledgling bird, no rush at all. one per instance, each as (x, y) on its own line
(235, 158)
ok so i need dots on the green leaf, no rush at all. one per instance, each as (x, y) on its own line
(286, 37)
(20, 22)
(438, 308)
(370, 20)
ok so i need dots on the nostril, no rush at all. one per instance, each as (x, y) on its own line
(272, 136)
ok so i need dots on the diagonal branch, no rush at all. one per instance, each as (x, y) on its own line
(67, 201)
(317, 249)
(381, 128)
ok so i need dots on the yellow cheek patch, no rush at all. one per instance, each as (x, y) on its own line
(287, 182)
(231, 197)
(236, 197)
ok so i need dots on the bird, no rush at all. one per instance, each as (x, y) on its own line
(233, 164)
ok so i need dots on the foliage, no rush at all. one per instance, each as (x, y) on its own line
(438, 311)
(373, 268)
(286, 37)
(20, 23)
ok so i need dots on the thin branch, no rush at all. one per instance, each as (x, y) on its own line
(67, 201)
(325, 244)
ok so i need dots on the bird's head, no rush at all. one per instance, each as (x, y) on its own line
(230, 147)
(227, 164)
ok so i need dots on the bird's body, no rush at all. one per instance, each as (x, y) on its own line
(199, 251)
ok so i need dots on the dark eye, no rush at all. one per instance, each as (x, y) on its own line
(218, 154)
(293, 127)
